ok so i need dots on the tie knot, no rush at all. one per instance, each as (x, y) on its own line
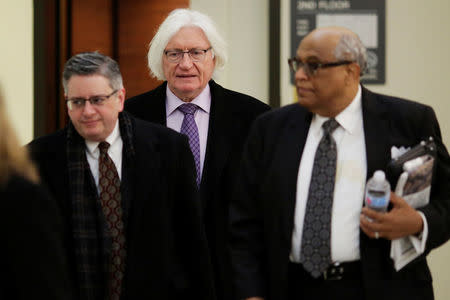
(330, 125)
(188, 108)
(103, 147)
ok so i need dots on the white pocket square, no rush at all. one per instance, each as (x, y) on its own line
(396, 152)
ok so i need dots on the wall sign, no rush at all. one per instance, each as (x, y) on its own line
(365, 17)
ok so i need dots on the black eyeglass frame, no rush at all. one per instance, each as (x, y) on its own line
(310, 68)
(94, 100)
(189, 52)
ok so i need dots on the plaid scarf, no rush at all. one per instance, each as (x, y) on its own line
(92, 242)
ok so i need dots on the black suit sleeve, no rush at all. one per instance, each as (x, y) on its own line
(34, 264)
(437, 212)
(246, 232)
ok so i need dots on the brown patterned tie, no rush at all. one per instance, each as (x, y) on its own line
(111, 204)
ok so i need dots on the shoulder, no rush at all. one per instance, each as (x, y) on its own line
(145, 130)
(285, 114)
(48, 144)
(405, 116)
(397, 104)
(20, 187)
(152, 139)
(138, 100)
(272, 124)
(240, 102)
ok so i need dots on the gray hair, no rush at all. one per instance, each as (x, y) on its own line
(176, 20)
(351, 48)
(93, 63)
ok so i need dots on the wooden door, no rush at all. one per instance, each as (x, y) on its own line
(121, 29)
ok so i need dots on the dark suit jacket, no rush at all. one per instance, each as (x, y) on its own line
(263, 210)
(167, 253)
(34, 264)
(230, 118)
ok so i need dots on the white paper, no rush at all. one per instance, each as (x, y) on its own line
(364, 25)
(406, 249)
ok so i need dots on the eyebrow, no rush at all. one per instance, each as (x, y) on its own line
(179, 49)
(309, 58)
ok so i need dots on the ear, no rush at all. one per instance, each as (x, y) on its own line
(353, 71)
(121, 98)
(213, 56)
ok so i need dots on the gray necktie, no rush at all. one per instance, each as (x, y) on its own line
(189, 128)
(315, 251)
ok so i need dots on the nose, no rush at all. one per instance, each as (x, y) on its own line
(88, 108)
(301, 74)
(186, 61)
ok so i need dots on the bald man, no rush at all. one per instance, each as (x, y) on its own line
(298, 226)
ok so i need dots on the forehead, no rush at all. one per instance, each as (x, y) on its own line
(318, 46)
(188, 37)
(88, 85)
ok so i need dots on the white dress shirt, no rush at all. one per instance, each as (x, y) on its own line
(114, 151)
(351, 169)
(175, 117)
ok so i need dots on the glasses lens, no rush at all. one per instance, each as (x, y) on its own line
(98, 100)
(73, 104)
(311, 68)
(292, 64)
(197, 54)
(173, 56)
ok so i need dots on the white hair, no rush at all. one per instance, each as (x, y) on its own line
(351, 48)
(176, 20)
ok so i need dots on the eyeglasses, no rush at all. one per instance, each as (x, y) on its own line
(79, 103)
(196, 55)
(310, 68)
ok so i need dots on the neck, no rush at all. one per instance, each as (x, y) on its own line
(341, 103)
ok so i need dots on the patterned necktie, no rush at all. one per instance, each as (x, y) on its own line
(189, 128)
(111, 204)
(315, 251)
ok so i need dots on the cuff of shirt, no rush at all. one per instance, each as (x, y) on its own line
(419, 241)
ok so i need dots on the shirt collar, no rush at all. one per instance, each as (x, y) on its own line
(347, 119)
(92, 146)
(203, 100)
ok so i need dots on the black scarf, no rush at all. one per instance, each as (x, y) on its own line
(92, 243)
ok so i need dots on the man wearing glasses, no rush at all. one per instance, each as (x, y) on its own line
(186, 52)
(298, 226)
(127, 189)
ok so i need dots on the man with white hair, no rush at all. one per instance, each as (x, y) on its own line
(186, 52)
(299, 229)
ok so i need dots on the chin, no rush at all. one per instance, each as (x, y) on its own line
(93, 136)
(188, 88)
(305, 102)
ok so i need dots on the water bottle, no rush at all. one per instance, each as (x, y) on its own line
(378, 192)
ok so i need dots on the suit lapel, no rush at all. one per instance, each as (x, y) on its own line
(376, 133)
(291, 145)
(219, 136)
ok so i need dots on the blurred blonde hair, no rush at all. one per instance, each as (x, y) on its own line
(14, 158)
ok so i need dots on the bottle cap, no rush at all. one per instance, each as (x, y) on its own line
(379, 176)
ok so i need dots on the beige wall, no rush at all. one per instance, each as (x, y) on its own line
(244, 24)
(418, 60)
(16, 63)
